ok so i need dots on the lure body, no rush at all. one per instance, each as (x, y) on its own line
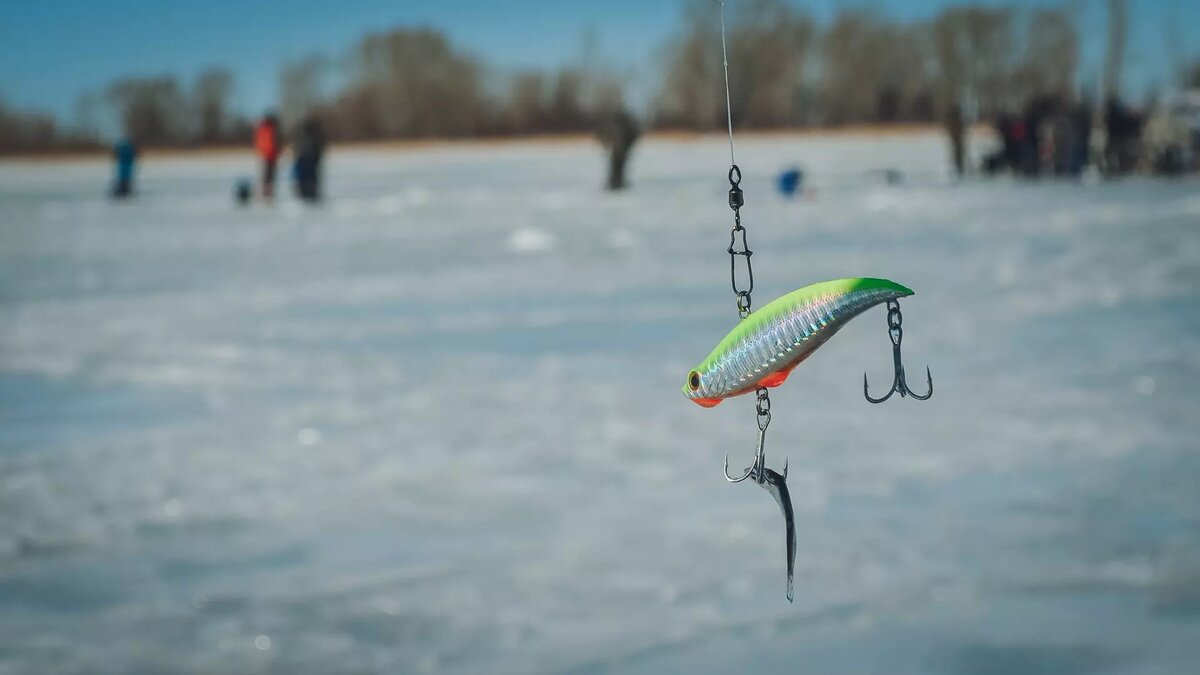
(762, 350)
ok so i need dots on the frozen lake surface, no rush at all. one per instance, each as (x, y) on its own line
(435, 424)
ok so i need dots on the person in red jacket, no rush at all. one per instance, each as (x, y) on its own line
(269, 144)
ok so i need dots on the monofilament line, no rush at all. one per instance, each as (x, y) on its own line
(725, 64)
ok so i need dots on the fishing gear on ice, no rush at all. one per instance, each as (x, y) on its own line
(763, 349)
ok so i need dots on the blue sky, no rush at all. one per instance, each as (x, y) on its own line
(50, 52)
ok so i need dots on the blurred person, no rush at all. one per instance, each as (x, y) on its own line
(1171, 133)
(309, 148)
(1016, 144)
(618, 131)
(125, 159)
(1003, 158)
(1031, 142)
(1066, 137)
(1124, 127)
(1081, 122)
(956, 130)
(269, 143)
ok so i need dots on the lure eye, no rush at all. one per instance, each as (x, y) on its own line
(693, 380)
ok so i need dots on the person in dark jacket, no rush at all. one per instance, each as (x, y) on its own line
(125, 158)
(617, 132)
(310, 148)
(956, 129)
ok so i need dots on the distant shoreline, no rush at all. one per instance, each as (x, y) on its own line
(868, 130)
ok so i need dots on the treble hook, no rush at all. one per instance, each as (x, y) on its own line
(760, 459)
(899, 384)
(773, 482)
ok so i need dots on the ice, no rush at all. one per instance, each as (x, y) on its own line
(529, 240)
(435, 423)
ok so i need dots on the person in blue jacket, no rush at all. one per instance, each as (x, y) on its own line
(125, 157)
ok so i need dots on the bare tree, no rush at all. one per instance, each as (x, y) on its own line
(300, 88)
(85, 119)
(975, 57)
(769, 43)
(413, 83)
(690, 94)
(210, 100)
(874, 70)
(24, 131)
(567, 110)
(1049, 60)
(526, 102)
(152, 110)
(1114, 58)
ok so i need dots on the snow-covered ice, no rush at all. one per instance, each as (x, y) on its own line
(435, 424)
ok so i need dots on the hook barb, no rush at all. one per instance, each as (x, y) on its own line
(732, 479)
(867, 395)
(929, 381)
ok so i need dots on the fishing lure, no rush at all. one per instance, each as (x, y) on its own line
(762, 350)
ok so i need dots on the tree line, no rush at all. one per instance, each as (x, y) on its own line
(155, 111)
(786, 70)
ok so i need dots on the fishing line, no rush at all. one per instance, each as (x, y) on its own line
(725, 65)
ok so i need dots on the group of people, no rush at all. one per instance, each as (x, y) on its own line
(308, 150)
(1051, 137)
